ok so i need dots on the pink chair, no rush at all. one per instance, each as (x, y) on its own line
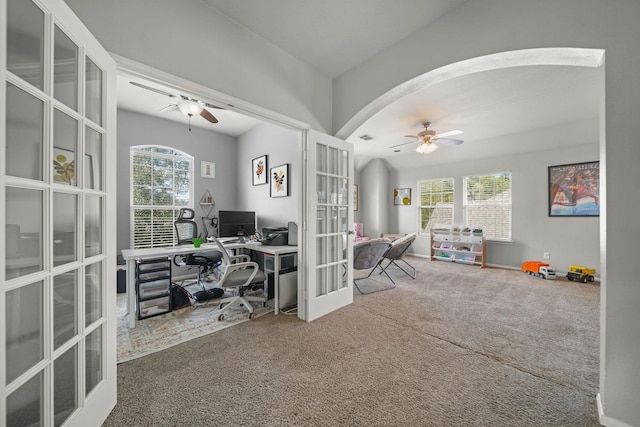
(358, 233)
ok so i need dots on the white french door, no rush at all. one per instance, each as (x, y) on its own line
(328, 219)
(57, 192)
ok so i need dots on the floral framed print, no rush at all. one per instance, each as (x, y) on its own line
(574, 189)
(259, 170)
(280, 180)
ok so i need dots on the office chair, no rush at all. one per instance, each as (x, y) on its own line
(186, 230)
(369, 254)
(241, 273)
(396, 253)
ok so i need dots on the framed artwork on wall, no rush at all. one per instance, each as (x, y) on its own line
(574, 189)
(279, 180)
(259, 170)
(355, 197)
(402, 196)
(207, 170)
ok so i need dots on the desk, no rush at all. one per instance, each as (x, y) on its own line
(132, 255)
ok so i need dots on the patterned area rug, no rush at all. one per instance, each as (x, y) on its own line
(166, 330)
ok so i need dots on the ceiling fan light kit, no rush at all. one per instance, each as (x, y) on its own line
(426, 148)
(187, 106)
(428, 137)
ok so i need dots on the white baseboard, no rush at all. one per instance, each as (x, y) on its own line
(605, 420)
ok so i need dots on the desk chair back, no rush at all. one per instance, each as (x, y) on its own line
(186, 227)
(186, 230)
(239, 272)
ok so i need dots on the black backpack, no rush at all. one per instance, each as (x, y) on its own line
(180, 297)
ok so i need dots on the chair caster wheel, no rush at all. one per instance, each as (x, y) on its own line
(220, 306)
(221, 317)
(250, 316)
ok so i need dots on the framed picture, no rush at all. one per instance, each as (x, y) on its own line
(259, 170)
(207, 170)
(355, 197)
(64, 166)
(574, 189)
(280, 180)
(402, 196)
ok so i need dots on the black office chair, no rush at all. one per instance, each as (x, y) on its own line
(186, 231)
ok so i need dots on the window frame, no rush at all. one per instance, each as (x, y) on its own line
(172, 156)
(426, 231)
(488, 230)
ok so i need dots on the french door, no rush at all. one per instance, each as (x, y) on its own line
(328, 221)
(57, 192)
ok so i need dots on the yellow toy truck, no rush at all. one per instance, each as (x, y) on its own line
(581, 274)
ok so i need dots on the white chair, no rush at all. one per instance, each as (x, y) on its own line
(239, 272)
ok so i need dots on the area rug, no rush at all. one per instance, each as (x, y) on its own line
(166, 330)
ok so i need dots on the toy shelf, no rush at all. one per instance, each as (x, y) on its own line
(462, 244)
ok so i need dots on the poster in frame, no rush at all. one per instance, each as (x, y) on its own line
(280, 180)
(574, 189)
(259, 170)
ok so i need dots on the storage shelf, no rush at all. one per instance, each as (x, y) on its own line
(462, 244)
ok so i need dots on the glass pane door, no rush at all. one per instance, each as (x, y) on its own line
(57, 350)
(328, 244)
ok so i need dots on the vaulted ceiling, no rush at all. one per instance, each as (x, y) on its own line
(333, 36)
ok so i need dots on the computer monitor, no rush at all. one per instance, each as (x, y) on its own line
(236, 223)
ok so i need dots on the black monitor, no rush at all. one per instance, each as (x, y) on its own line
(236, 223)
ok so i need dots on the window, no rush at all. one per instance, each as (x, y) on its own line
(161, 184)
(436, 203)
(487, 203)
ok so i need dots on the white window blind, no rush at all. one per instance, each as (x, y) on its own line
(436, 203)
(161, 184)
(487, 203)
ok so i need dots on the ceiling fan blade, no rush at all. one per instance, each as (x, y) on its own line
(404, 143)
(153, 89)
(208, 116)
(169, 108)
(206, 104)
(449, 141)
(450, 133)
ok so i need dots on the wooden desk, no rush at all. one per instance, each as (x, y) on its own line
(132, 255)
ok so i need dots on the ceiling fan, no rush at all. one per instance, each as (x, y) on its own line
(427, 139)
(186, 105)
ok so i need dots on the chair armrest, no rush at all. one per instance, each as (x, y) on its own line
(239, 258)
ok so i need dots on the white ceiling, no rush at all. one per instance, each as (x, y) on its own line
(335, 35)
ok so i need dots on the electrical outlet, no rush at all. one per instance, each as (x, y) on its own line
(545, 255)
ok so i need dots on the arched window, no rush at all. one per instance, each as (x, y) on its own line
(161, 184)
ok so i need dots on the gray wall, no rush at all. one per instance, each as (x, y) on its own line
(570, 241)
(281, 145)
(232, 187)
(373, 203)
(203, 145)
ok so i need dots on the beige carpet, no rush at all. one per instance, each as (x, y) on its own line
(458, 346)
(166, 330)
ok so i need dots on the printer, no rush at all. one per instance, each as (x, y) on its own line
(275, 236)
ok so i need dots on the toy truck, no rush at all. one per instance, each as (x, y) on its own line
(581, 274)
(539, 269)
